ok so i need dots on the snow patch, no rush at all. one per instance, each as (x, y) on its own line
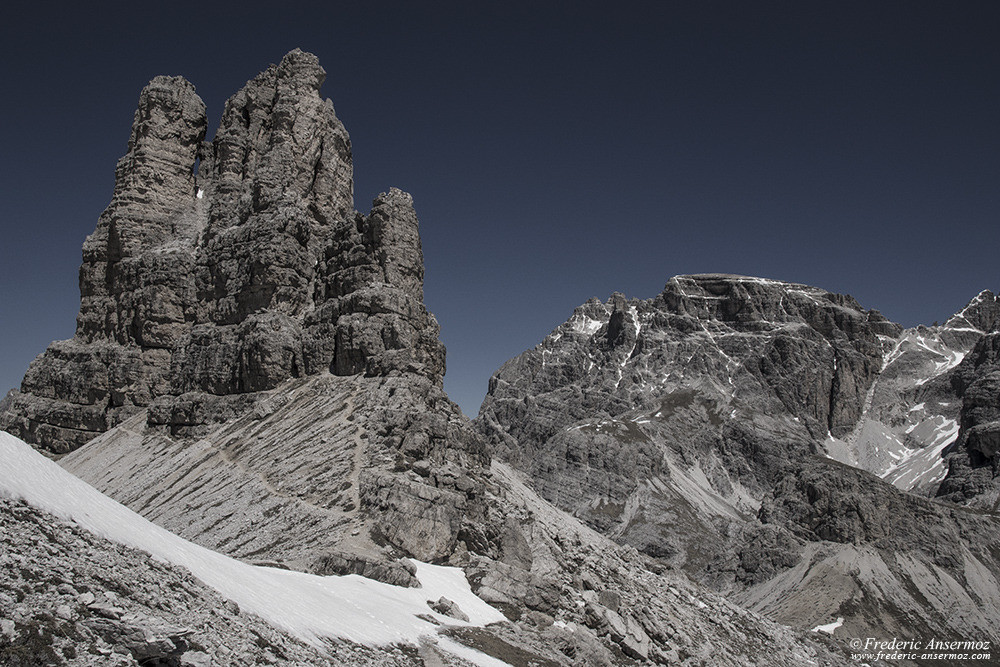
(307, 606)
(839, 450)
(585, 325)
(925, 466)
(829, 627)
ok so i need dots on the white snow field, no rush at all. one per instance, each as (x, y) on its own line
(307, 606)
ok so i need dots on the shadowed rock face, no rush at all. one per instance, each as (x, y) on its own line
(974, 463)
(206, 282)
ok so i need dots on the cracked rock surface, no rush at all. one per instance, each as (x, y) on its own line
(222, 269)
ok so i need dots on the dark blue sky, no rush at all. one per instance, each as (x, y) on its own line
(555, 150)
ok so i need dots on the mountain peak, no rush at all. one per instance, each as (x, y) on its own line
(230, 281)
(982, 314)
(303, 68)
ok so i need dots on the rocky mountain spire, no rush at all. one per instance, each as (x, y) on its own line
(214, 283)
(982, 314)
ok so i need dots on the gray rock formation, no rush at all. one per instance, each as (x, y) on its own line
(221, 272)
(135, 289)
(974, 462)
(576, 597)
(326, 474)
(698, 427)
(203, 292)
(693, 362)
(200, 289)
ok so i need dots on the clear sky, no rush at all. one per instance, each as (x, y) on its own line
(555, 151)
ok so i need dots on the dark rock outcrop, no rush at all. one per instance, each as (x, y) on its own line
(974, 460)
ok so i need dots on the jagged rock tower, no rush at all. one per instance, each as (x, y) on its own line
(222, 269)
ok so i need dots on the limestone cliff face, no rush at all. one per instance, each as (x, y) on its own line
(222, 269)
(719, 383)
(700, 427)
(223, 279)
(135, 290)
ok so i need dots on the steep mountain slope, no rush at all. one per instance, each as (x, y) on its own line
(698, 427)
(254, 368)
(912, 411)
(974, 462)
(128, 606)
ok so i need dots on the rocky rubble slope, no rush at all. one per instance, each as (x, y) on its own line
(586, 601)
(699, 426)
(325, 474)
(68, 597)
(575, 597)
